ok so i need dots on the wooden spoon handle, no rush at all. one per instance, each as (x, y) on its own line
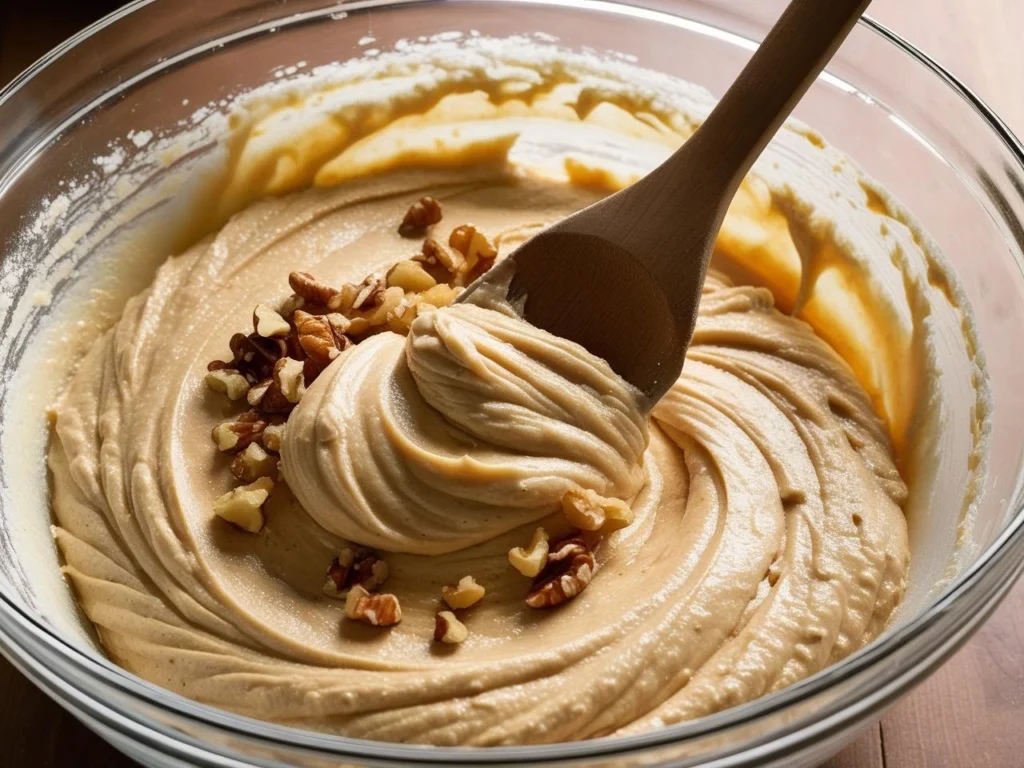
(774, 80)
(674, 213)
(623, 277)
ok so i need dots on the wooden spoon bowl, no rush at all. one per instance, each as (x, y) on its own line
(623, 277)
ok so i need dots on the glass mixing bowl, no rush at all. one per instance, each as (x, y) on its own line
(903, 118)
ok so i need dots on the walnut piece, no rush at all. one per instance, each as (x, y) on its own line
(473, 244)
(318, 338)
(238, 434)
(379, 572)
(273, 434)
(294, 342)
(255, 356)
(339, 574)
(400, 318)
(353, 567)
(269, 397)
(257, 391)
(288, 378)
(581, 512)
(586, 510)
(448, 629)
(571, 566)
(466, 594)
(338, 322)
(268, 323)
(531, 561)
(386, 302)
(447, 257)
(380, 610)
(423, 213)
(253, 463)
(310, 289)
(343, 300)
(410, 276)
(617, 515)
(368, 294)
(244, 506)
(229, 382)
(441, 295)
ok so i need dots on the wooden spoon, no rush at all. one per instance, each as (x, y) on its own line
(623, 277)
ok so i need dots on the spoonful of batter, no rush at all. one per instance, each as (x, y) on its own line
(623, 277)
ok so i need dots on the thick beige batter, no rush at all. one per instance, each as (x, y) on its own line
(769, 539)
(476, 424)
(768, 543)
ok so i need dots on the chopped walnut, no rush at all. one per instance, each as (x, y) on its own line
(310, 289)
(588, 511)
(423, 213)
(294, 348)
(229, 382)
(244, 506)
(240, 433)
(581, 512)
(339, 573)
(253, 463)
(379, 572)
(466, 594)
(255, 356)
(617, 515)
(273, 434)
(427, 258)
(448, 629)
(473, 244)
(400, 318)
(345, 298)
(388, 301)
(368, 294)
(256, 392)
(288, 378)
(441, 295)
(268, 323)
(318, 338)
(293, 343)
(273, 399)
(353, 567)
(410, 276)
(530, 562)
(225, 436)
(338, 322)
(380, 610)
(571, 566)
(449, 258)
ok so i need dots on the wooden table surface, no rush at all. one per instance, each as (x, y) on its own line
(968, 714)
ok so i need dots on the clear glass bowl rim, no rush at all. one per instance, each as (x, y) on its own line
(15, 620)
